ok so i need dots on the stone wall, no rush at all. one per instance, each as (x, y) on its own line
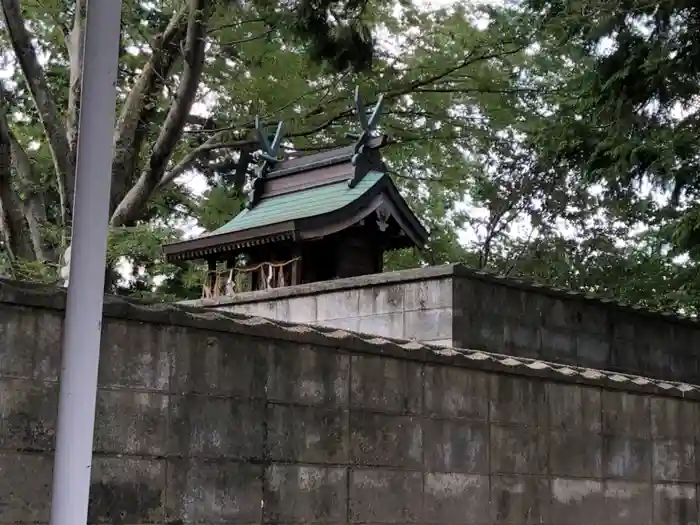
(203, 416)
(414, 304)
(501, 315)
(454, 306)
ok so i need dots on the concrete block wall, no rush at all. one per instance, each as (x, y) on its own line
(508, 317)
(454, 306)
(208, 420)
(411, 309)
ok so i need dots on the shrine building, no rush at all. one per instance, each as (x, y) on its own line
(312, 218)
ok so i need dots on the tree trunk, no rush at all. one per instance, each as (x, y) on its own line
(43, 100)
(130, 208)
(75, 54)
(33, 205)
(15, 234)
(140, 106)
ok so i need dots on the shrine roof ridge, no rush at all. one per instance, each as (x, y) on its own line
(322, 159)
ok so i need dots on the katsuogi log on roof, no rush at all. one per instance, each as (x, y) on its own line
(333, 213)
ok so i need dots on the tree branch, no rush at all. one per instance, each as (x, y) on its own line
(208, 124)
(75, 56)
(470, 59)
(457, 89)
(195, 45)
(43, 100)
(140, 105)
(234, 24)
(217, 140)
(213, 142)
(253, 38)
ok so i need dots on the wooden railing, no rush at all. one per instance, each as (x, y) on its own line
(263, 276)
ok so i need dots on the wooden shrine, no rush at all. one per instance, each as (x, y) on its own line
(313, 218)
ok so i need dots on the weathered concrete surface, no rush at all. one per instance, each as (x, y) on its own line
(418, 305)
(454, 306)
(505, 317)
(202, 417)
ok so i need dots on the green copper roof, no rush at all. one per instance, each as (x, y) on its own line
(301, 205)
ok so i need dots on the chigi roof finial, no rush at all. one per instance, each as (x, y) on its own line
(267, 158)
(368, 125)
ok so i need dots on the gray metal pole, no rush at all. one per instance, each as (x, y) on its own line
(83, 321)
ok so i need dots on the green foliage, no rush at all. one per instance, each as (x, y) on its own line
(217, 206)
(25, 270)
(627, 115)
(522, 146)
